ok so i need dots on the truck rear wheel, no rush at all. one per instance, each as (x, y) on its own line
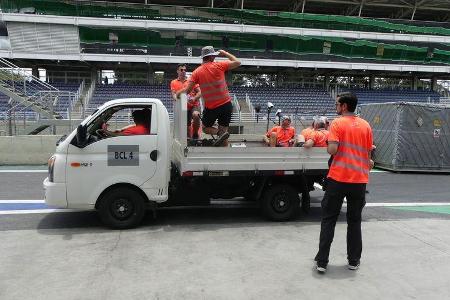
(280, 202)
(122, 208)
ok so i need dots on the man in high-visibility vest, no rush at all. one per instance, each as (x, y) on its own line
(193, 105)
(350, 143)
(211, 78)
(319, 136)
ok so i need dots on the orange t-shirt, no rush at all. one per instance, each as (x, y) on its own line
(351, 162)
(283, 135)
(319, 137)
(176, 85)
(211, 78)
(306, 133)
(136, 130)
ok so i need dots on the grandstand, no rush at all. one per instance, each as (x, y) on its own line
(297, 54)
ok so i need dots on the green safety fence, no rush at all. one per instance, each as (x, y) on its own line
(236, 16)
(256, 42)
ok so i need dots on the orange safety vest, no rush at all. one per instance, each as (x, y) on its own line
(211, 78)
(351, 162)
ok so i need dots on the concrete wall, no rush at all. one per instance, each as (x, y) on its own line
(27, 150)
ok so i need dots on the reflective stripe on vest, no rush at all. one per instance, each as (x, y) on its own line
(352, 157)
(350, 166)
(215, 91)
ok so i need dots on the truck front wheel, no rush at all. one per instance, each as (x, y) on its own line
(122, 208)
(280, 202)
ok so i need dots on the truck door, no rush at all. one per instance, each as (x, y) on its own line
(108, 160)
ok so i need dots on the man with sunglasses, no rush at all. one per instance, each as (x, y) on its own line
(193, 105)
(350, 144)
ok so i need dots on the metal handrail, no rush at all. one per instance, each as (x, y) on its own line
(25, 75)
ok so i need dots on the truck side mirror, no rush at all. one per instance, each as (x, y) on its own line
(81, 136)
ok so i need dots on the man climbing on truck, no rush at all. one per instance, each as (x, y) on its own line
(211, 78)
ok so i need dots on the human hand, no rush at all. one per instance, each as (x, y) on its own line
(371, 164)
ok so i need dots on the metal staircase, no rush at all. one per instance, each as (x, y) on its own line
(27, 91)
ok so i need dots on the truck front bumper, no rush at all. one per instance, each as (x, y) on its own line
(55, 194)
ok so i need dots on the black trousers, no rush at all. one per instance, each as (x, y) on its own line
(331, 208)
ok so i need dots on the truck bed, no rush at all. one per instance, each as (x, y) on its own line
(248, 155)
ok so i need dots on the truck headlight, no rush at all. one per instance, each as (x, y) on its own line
(51, 165)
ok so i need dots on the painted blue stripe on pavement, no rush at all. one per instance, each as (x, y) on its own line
(23, 206)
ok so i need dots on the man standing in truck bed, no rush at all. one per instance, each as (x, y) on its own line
(211, 78)
(193, 105)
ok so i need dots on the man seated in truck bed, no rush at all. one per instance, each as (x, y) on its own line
(319, 136)
(281, 136)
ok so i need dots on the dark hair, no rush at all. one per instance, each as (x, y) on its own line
(350, 99)
(180, 65)
(147, 116)
(138, 117)
(208, 58)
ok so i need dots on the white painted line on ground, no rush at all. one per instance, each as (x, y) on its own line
(378, 171)
(229, 203)
(23, 171)
(21, 201)
(316, 185)
(393, 204)
(401, 204)
(36, 211)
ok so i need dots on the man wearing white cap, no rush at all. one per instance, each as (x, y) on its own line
(281, 136)
(319, 136)
(211, 78)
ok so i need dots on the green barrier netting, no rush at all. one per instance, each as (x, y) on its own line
(288, 44)
(236, 16)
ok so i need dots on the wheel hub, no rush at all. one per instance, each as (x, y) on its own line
(280, 202)
(122, 208)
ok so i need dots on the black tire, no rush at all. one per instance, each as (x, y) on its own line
(122, 208)
(280, 202)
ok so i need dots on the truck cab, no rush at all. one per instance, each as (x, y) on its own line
(92, 171)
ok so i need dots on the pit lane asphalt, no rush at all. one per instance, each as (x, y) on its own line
(226, 251)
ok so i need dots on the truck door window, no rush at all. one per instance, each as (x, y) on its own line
(121, 121)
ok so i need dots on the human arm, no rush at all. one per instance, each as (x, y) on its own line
(198, 94)
(309, 143)
(234, 62)
(186, 89)
(371, 162)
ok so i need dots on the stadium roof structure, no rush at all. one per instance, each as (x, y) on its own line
(423, 10)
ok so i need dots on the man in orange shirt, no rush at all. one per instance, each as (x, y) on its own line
(281, 136)
(307, 131)
(319, 136)
(350, 143)
(142, 120)
(211, 78)
(193, 105)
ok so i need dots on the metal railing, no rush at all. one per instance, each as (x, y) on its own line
(444, 100)
(19, 83)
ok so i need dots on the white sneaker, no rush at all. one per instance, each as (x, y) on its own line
(321, 268)
(353, 266)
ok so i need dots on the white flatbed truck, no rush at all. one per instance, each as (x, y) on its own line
(123, 176)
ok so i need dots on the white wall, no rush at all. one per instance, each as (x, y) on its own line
(27, 150)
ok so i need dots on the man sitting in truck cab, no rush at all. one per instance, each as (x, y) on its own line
(281, 136)
(141, 119)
